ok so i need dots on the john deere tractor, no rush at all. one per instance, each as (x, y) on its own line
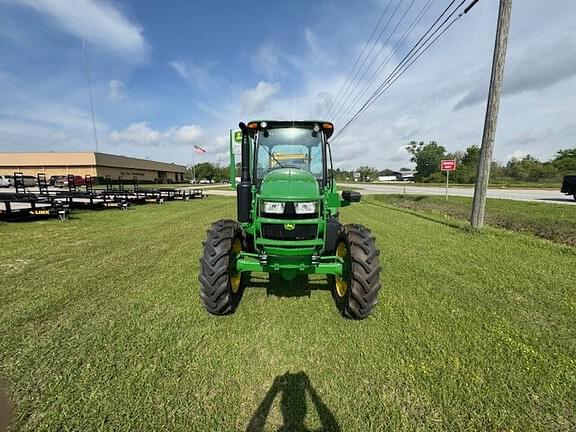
(287, 224)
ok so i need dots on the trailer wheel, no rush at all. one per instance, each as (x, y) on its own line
(221, 286)
(356, 292)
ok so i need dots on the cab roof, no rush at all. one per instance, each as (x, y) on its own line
(327, 127)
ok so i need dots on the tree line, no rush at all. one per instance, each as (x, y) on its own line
(208, 171)
(427, 158)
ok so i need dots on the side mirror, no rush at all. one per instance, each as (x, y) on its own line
(351, 196)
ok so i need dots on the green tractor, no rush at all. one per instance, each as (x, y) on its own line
(287, 206)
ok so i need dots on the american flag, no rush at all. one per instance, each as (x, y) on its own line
(199, 149)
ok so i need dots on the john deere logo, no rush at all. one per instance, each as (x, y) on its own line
(238, 136)
(289, 227)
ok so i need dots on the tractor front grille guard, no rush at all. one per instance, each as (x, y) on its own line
(290, 232)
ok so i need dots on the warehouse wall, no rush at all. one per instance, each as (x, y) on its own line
(49, 170)
(94, 164)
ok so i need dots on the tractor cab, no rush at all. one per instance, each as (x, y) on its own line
(291, 145)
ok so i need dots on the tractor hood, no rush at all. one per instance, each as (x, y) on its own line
(290, 184)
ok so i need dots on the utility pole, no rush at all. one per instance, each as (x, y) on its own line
(479, 204)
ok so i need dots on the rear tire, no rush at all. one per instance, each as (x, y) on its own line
(221, 288)
(356, 293)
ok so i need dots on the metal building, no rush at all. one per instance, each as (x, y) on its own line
(97, 165)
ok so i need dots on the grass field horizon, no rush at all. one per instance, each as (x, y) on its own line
(102, 329)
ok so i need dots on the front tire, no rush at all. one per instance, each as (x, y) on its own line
(221, 286)
(356, 292)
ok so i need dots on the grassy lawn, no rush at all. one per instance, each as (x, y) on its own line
(505, 185)
(556, 222)
(102, 329)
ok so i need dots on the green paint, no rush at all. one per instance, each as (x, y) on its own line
(290, 184)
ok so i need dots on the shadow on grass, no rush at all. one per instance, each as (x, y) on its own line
(301, 286)
(5, 408)
(292, 389)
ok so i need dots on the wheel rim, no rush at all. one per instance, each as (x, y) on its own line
(235, 276)
(342, 282)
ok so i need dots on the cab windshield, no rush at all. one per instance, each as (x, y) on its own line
(289, 148)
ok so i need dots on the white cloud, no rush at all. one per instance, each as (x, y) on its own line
(116, 91)
(98, 22)
(42, 125)
(137, 133)
(186, 134)
(266, 61)
(199, 76)
(257, 99)
(143, 135)
(536, 68)
(517, 154)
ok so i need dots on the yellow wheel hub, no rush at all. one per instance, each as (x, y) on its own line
(235, 277)
(341, 283)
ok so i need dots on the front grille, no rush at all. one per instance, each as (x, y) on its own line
(300, 232)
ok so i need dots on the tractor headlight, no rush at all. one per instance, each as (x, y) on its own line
(273, 207)
(305, 207)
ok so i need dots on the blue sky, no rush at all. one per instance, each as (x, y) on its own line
(167, 75)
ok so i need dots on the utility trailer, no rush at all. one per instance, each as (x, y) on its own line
(74, 196)
(23, 206)
(153, 195)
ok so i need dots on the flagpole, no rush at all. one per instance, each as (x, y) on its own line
(193, 164)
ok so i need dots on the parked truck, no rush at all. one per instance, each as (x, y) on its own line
(569, 185)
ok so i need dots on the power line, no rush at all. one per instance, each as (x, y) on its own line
(425, 38)
(409, 59)
(345, 105)
(344, 93)
(359, 57)
(392, 78)
(369, 83)
(423, 45)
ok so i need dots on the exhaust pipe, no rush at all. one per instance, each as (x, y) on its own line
(244, 189)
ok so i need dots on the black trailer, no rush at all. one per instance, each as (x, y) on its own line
(569, 185)
(22, 206)
(77, 196)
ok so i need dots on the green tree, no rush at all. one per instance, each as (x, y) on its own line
(530, 169)
(467, 165)
(565, 161)
(207, 171)
(427, 158)
(368, 173)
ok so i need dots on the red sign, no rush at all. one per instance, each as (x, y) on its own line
(448, 165)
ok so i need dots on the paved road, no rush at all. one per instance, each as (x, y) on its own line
(537, 195)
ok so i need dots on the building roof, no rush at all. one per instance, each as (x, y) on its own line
(43, 159)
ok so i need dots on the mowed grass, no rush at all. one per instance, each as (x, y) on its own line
(102, 329)
(556, 222)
